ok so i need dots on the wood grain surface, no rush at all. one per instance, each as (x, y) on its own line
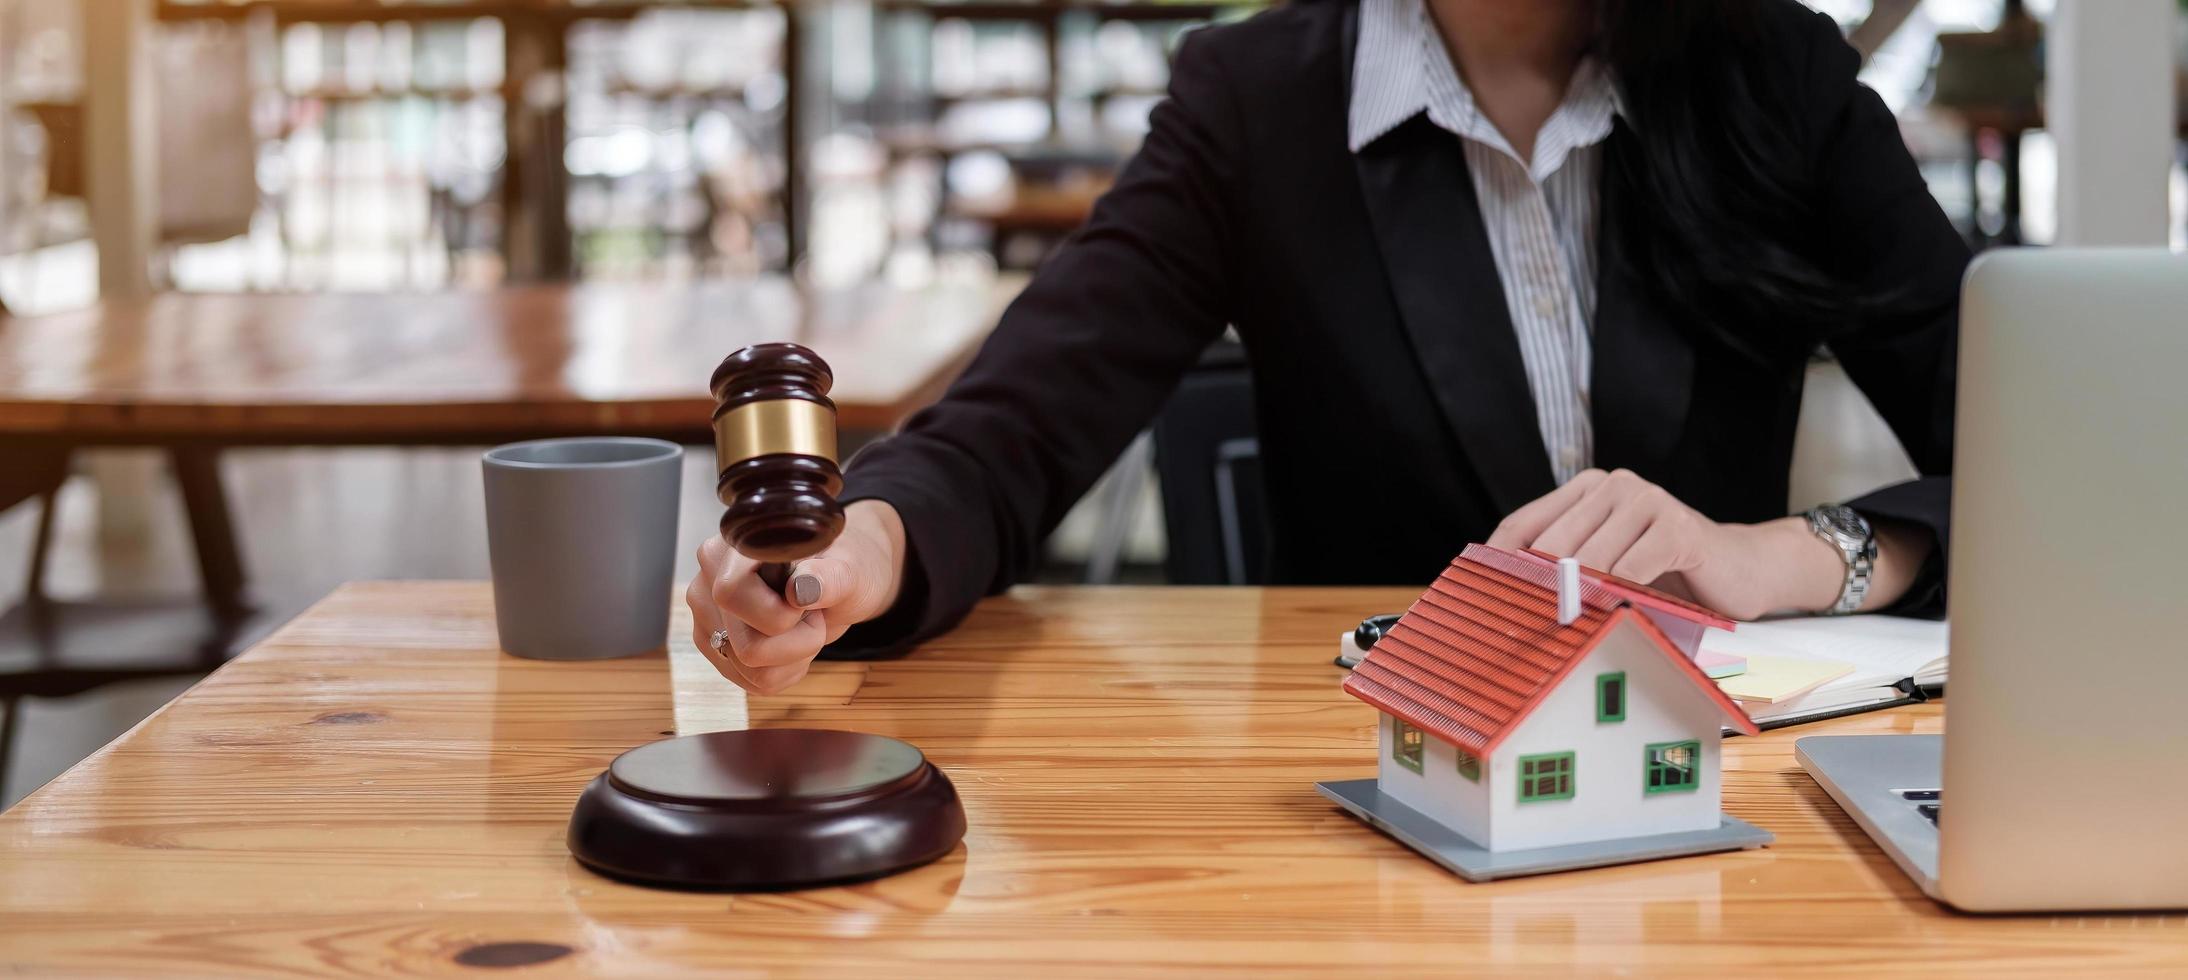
(376, 791)
(449, 366)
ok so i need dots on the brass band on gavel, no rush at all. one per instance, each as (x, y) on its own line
(775, 446)
(789, 425)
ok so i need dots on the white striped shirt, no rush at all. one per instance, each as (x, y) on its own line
(1540, 214)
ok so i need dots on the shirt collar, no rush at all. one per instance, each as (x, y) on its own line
(1400, 70)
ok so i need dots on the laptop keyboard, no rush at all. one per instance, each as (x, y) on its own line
(1927, 802)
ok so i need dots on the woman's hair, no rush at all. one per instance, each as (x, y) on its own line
(1715, 188)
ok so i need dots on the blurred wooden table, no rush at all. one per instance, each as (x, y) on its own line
(376, 790)
(194, 372)
(459, 368)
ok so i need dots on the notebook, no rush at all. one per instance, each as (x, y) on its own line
(1889, 661)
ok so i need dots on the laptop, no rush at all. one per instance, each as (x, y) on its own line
(2061, 782)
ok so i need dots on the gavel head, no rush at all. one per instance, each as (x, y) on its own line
(775, 445)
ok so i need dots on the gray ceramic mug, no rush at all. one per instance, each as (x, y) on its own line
(582, 537)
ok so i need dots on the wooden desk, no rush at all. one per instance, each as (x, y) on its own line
(376, 790)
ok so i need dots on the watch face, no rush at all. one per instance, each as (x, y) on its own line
(1846, 522)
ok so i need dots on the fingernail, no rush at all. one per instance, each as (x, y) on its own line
(805, 589)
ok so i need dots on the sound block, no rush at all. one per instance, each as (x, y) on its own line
(765, 809)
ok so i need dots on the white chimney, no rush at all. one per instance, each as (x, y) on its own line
(1568, 591)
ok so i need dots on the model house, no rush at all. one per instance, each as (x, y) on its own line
(1518, 724)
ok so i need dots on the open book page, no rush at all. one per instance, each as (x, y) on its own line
(1882, 649)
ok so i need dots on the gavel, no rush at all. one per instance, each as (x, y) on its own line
(775, 449)
(769, 808)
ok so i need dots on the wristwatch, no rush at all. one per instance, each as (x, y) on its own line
(1849, 532)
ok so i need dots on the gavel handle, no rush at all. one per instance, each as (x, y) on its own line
(776, 574)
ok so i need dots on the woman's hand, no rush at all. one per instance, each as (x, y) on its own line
(1619, 523)
(772, 640)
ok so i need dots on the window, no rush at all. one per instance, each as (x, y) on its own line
(1406, 744)
(1470, 766)
(1546, 777)
(1610, 697)
(1673, 767)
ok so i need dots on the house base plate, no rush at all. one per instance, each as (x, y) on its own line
(1474, 862)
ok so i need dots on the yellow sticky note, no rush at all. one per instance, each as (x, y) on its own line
(1770, 680)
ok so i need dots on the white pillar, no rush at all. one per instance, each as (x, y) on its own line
(121, 140)
(2109, 105)
(121, 161)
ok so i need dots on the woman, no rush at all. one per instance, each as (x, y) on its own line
(1551, 268)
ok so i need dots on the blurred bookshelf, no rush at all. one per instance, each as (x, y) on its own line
(374, 144)
(309, 144)
(425, 144)
(384, 144)
(1004, 121)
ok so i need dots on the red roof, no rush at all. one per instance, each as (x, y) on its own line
(1482, 647)
(1638, 594)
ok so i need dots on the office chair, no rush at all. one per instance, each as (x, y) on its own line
(1208, 458)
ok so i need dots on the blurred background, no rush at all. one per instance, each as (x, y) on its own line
(272, 270)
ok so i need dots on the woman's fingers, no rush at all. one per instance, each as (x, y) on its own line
(704, 618)
(1657, 552)
(1579, 522)
(1617, 534)
(744, 597)
(724, 657)
(798, 644)
(1615, 521)
(766, 664)
(707, 617)
(1634, 529)
(756, 660)
(772, 641)
(822, 583)
(1523, 526)
(814, 583)
(770, 638)
(775, 680)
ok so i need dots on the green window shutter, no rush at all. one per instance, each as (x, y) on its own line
(1470, 766)
(1548, 776)
(1610, 696)
(1406, 744)
(1672, 767)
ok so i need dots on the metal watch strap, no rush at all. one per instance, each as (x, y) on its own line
(1859, 550)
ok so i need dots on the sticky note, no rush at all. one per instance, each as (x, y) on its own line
(1769, 680)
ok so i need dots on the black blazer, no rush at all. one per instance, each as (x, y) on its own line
(1395, 419)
